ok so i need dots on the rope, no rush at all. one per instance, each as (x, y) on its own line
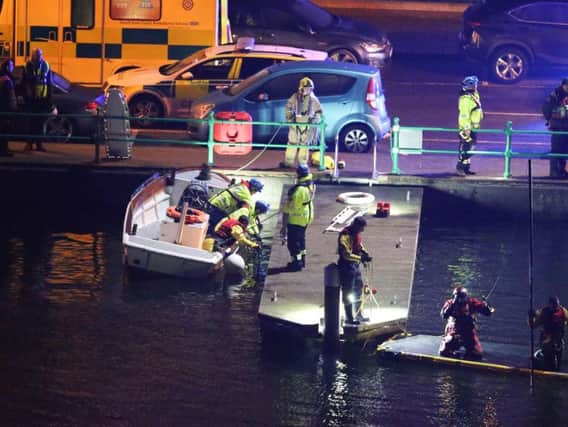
(255, 158)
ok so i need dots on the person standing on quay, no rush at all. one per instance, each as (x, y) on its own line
(37, 95)
(555, 111)
(469, 119)
(8, 104)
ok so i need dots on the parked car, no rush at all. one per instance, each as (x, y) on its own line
(351, 96)
(78, 101)
(169, 90)
(511, 37)
(302, 23)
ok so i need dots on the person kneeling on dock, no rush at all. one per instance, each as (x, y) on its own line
(461, 328)
(351, 255)
(230, 232)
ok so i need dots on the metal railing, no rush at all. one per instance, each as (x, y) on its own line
(98, 137)
(507, 153)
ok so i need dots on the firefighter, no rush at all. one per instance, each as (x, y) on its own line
(302, 107)
(230, 232)
(37, 95)
(469, 119)
(552, 318)
(461, 329)
(351, 254)
(8, 104)
(555, 111)
(298, 213)
(229, 200)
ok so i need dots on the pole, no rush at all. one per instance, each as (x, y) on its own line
(395, 143)
(509, 136)
(331, 309)
(531, 278)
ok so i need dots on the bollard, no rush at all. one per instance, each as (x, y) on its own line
(331, 309)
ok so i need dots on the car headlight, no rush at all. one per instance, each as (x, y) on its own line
(202, 110)
(373, 47)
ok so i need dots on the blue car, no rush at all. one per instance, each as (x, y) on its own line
(351, 96)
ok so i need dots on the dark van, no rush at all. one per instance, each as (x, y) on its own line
(301, 23)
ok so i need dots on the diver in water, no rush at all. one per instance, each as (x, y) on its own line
(461, 329)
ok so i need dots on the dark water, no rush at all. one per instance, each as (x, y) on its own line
(82, 345)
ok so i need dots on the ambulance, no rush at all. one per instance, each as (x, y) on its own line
(88, 40)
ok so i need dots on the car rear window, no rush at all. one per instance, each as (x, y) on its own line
(254, 65)
(247, 83)
(548, 12)
(327, 84)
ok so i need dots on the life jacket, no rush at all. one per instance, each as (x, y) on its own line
(40, 76)
(226, 227)
(301, 212)
(7, 95)
(349, 244)
(232, 198)
(553, 320)
(470, 112)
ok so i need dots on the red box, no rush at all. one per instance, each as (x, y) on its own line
(238, 135)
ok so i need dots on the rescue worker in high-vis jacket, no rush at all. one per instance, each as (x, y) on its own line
(255, 226)
(461, 330)
(36, 84)
(232, 231)
(552, 319)
(302, 107)
(469, 120)
(555, 111)
(298, 214)
(351, 254)
(8, 104)
(229, 200)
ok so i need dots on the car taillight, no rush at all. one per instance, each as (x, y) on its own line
(90, 107)
(371, 96)
(473, 24)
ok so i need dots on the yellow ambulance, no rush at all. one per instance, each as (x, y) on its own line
(88, 40)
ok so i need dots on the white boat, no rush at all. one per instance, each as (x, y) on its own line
(155, 242)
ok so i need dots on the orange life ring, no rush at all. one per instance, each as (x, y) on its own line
(193, 216)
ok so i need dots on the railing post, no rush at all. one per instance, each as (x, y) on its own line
(335, 157)
(210, 141)
(321, 130)
(98, 136)
(395, 132)
(508, 138)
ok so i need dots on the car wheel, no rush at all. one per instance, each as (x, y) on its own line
(356, 138)
(509, 65)
(145, 108)
(343, 55)
(58, 129)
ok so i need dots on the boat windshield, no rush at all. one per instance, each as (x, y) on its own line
(251, 81)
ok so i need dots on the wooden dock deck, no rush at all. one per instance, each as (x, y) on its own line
(293, 301)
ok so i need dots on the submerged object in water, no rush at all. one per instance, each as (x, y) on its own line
(235, 265)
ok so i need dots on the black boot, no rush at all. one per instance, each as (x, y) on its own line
(360, 317)
(303, 261)
(460, 170)
(349, 321)
(467, 170)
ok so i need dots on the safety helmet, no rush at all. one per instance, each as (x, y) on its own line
(302, 170)
(554, 301)
(243, 219)
(470, 82)
(460, 293)
(359, 223)
(261, 207)
(306, 82)
(255, 185)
